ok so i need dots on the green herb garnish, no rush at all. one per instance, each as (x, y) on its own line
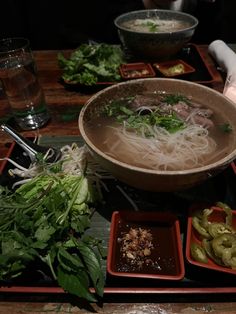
(43, 222)
(175, 98)
(90, 64)
(226, 127)
(138, 122)
(152, 26)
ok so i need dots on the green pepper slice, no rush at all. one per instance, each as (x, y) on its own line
(228, 211)
(206, 244)
(198, 253)
(206, 213)
(229, 257)
(222, 242)
(197, 226)
(218, 228)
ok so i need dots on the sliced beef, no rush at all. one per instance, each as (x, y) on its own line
(193, 115)
(206, 113)
(145, 100)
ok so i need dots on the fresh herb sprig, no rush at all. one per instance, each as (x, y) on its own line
(43, 222)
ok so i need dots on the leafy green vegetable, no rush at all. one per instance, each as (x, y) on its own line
(90, 64)
(138, 121)
(44, 222)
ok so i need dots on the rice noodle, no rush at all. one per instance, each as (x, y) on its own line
(184, 149)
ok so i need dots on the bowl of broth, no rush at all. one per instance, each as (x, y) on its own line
(160, 134)
(155, 34)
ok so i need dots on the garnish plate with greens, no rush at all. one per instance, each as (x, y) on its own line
(99, 65)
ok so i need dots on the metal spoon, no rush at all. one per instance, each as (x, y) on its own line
(31, 148)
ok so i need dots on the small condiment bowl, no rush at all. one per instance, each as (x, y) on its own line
(218, 215)
(145, 245)
(130, 71)
(173, 68)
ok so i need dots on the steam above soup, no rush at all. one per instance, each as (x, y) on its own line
(155, 25)
(160, 131)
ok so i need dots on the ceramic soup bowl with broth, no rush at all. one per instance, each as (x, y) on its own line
(160, 134)
(153, 33)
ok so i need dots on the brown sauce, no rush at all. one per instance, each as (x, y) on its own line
(163, 255)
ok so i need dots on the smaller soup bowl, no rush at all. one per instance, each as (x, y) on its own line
(154, 42)
(142, 177)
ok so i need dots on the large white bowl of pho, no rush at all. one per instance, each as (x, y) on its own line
(155, 33)
(160, 134)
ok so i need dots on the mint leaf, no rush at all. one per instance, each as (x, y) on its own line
(75, 284)
(93, 265)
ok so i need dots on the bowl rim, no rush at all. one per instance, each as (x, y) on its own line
(180, 13)
(222, 162)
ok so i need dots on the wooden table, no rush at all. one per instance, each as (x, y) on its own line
(64, 106)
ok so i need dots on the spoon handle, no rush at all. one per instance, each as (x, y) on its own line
(30, 148)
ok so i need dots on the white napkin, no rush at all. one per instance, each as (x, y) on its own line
(226, 58)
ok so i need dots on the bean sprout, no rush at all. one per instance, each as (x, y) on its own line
(75, 160)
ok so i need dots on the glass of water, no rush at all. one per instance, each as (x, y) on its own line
(18, 75)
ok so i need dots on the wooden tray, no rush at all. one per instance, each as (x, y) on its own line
(189, 54)
(196, 282)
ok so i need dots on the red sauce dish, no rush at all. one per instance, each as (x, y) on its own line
(218, 216)
(173, 68)
(136, 70)
(145, 245)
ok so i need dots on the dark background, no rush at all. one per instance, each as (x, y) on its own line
(51, 24)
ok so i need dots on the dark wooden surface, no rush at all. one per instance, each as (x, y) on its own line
(64, 106)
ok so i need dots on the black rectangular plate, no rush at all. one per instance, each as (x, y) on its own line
(189, 53)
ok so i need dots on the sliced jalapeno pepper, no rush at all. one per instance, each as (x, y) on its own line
(222, 242)
(218, 228)
(206, 244)
(199, 228)
(229, 257)
(206, 213)
(228, 211)
(198, 253)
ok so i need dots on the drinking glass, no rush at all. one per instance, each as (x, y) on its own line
(18, 75)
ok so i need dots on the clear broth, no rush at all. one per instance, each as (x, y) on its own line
(155, 25)
(101, 132)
